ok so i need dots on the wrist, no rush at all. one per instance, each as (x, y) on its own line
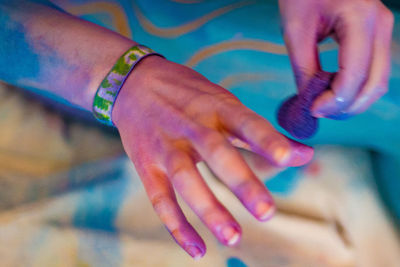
(139, 80)
(101, 68)
(109, 89)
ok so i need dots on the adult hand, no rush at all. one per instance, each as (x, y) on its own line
(363, 30)
(169, 118)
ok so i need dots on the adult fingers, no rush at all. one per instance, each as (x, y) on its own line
(163, 199)
(227, 163)
(301, 38)
(186, 179)
(355, 31)
(377, 83)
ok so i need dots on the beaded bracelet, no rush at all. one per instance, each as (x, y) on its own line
(107, 93)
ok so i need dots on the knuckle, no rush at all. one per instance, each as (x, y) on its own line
(230, 100)
(181, 175)
(352, 77)
(210, 138)
(365, 8)
(251, 122)
(211, 141)
(291, 27)
(267, 137)
(372, 4)
(180, 167)
(273, 139)
(227, 104)
(161, 202)
(245, 115)
(292, 33)
(211, 211)
(386, 17)
(244, 188)
(178, 171)
(216, 150)
(174, 160)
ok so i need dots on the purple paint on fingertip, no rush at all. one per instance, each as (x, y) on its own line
(295, 116)
(195, 252)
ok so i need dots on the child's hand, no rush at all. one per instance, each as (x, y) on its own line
(363, 29)
(169, 118)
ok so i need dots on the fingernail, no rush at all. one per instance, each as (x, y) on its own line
(322, 109)
(330, 109)
(317, 114)
(339, 100)
(265, 210)
(342, 115)
(317, 111)
(301, 156)
(194, 251)
(231, 235)
(281, 153)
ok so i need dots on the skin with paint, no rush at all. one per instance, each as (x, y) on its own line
(363, 30)
(170, 117)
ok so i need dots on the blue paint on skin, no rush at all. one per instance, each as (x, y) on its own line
(235, 262)
(20, 60)
(17, 60)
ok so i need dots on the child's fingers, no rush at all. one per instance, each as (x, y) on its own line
(163, 199)
(227, 163)
(377, 82)
(355, 34)
(263, 138)
(186, 179)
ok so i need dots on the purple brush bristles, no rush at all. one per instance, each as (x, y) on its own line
(294, 115)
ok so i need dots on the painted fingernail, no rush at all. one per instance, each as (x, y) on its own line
(265, 210)
(317, 114)
(339, 100)
(194, 251)
(231, 235)
(339, 115)
(319, 111)
(281, 152)
(301, 156)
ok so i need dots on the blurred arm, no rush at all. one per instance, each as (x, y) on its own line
(45, 48)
